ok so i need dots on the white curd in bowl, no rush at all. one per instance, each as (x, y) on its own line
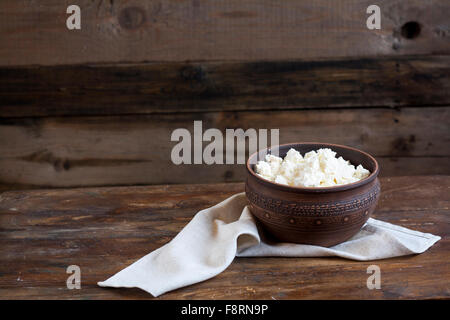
(319, 168)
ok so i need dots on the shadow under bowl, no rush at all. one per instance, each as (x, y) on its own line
(319, 216)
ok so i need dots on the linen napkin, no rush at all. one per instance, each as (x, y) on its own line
(210, 241)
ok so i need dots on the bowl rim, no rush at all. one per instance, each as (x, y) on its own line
(372, 176)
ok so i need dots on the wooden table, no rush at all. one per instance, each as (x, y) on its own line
(103, 230)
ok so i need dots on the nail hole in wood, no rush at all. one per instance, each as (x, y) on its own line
(411, 30)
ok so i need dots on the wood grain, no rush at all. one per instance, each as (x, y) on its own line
(224, 86)
(105, 229)
(138, 30)
(96, 151)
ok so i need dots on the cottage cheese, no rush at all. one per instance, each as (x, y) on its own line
(318, 168)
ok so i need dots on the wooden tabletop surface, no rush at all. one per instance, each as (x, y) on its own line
(103, 230)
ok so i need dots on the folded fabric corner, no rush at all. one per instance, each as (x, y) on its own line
(208, 244)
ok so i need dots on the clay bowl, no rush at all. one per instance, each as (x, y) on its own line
(320, 216)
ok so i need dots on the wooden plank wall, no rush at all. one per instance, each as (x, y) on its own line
(97, 106)
(198, 30)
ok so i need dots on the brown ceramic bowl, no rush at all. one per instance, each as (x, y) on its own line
(320, 216)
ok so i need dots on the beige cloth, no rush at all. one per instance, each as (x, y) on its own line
(208, 244)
